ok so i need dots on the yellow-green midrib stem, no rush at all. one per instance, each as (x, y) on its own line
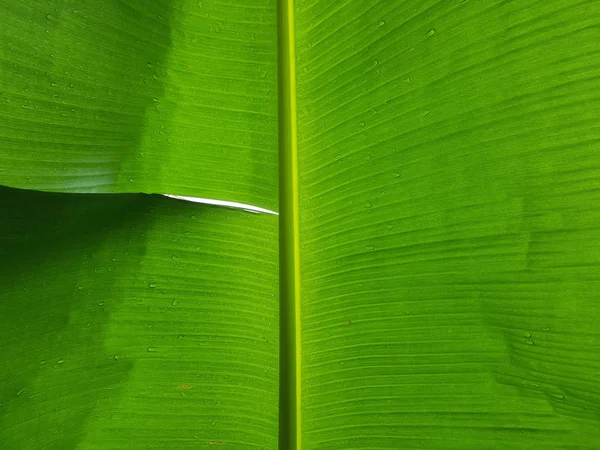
(290, 401)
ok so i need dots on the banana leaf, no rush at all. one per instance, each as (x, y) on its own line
(431, 281)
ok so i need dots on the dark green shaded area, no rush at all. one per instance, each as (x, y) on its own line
(136, 321)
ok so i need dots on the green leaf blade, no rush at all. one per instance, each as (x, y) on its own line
(136, 321)
(174, 98)
(448, 164)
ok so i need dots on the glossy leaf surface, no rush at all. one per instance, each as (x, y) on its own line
(171, 97)
(447, 235)
(136, 321)
(449, 224)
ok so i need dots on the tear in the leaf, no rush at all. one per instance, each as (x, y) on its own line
(236, 205)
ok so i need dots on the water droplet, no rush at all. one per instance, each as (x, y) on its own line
(149, 65)
(375, 62)
(174, 258)
(175, 302)
(342, 363)
(368, 205)
(381, 23)
(131, 180)
(43, 362)
(371, 247)
(529, 342)
(20, 391)
(431, 32)
(558, 396)
(53, 84)
(71, 85)
(114, 259)
(362, 124)
(117, 357)
(60, 361)
(79, 288)
(49, 16)
(152, 349)
(397, 174)
(408, 80)
(152, 285)
(181, 336)
(390, 227)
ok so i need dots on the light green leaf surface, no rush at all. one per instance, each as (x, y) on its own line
(449, 224)
(449, 237)
(136, 322)
(170, 97)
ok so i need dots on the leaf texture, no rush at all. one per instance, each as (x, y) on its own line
(449, 166)
(136, 321)
(449, 237)
(172, 97)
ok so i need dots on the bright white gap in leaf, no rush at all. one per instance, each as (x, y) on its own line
(236, 205)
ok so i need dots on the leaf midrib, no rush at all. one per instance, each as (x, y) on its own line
(289, 275)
